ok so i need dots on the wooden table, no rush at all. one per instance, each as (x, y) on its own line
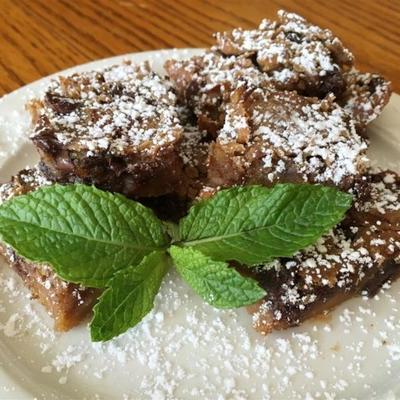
(39, 37)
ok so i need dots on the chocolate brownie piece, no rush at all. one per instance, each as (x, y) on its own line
(293, 53)
(365, 97)
(204, 84)
(271, 136)
(193, 151)
(357, 257)
(67, 303)
(117, 128)
(290, 54)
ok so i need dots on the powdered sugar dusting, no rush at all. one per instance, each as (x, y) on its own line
(365, 96)
(385, 196)
(122, 108)
(314, 138)
(289, 44)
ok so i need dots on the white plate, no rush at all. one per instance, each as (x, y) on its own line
(185, 349)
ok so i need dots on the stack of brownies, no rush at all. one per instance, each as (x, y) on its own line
(281, 103)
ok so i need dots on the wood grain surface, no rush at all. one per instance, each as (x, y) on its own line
(40, 37)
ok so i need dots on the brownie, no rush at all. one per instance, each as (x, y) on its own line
(357, 257)
(204, 84)
(117, 128)
(67, 303)
(293, 53)
(281, 103)
(193, 151)
(365, 97)
(289, 54)
(274, 136)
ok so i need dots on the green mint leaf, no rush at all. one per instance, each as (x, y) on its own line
(255, 224)
(86, 234)
(129, 298)
(216, 282)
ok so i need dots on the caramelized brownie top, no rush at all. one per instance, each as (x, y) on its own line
(292, 51)
(119, 110)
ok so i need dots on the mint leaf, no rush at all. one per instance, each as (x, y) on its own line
(129, 298)
(255, 224)
(86, 234)
(217, 283)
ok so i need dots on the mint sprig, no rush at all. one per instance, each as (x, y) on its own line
(104, 240)
(256, 224)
